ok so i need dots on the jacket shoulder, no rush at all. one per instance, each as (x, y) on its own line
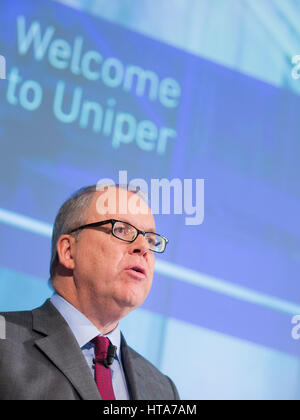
(17, 325)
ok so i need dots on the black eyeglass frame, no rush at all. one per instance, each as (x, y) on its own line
(113, 222)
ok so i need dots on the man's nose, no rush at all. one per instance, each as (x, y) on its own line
(140, 245)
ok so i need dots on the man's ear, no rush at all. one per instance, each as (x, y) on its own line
(65, 251)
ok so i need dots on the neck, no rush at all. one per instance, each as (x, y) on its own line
(99, 313)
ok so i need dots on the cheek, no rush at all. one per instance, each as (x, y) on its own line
(152, 263)
(111, 260)
(90, 258)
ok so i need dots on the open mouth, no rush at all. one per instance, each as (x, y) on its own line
(138, 270)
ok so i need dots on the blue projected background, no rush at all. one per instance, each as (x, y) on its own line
(175, 89)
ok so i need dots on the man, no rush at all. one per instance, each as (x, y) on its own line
(101, 268)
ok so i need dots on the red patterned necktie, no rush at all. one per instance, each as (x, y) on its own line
(102, 373)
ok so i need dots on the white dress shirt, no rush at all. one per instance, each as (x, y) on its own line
(84, 331)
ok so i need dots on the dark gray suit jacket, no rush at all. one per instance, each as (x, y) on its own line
(40, 360)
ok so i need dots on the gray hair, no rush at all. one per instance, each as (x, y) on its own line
(73, 213)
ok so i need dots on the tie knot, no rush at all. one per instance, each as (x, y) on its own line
(101, 346)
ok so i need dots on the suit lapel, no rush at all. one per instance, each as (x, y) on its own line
(61, 347)
(134, 377)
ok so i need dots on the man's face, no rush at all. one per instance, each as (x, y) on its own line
(102, 262)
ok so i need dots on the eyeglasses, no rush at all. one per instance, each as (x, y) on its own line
(128, 233)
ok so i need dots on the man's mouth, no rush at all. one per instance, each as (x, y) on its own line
(137, 271)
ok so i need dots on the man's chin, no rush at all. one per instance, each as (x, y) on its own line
(129, 302)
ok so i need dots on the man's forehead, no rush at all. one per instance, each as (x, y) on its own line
(121, 204)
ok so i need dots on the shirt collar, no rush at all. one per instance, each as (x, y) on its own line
(82, 328)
